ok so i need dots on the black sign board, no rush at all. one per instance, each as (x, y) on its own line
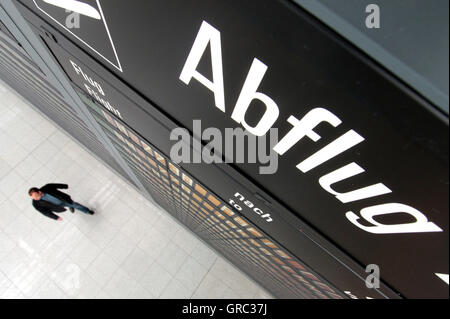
(363, 160)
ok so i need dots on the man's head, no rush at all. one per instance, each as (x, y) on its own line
(35, 193)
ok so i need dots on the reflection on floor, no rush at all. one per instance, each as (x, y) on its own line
(129, 249)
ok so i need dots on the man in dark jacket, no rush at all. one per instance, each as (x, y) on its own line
(49, 200)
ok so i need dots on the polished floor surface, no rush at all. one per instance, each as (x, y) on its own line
(129, 249)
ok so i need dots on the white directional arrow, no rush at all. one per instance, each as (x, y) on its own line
(76, 6)
(444, 277)
(89, 11)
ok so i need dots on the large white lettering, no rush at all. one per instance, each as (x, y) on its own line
(301, 128)
(206, 34)
(248, 94)
(421, 225)
(345, 172)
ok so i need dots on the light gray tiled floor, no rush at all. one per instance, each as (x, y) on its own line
(129, 249)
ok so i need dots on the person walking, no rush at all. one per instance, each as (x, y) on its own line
(48, 200)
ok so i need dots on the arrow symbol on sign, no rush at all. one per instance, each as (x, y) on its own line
(76, 6)
(444, 277)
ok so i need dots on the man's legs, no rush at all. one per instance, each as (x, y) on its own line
(80, 207)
